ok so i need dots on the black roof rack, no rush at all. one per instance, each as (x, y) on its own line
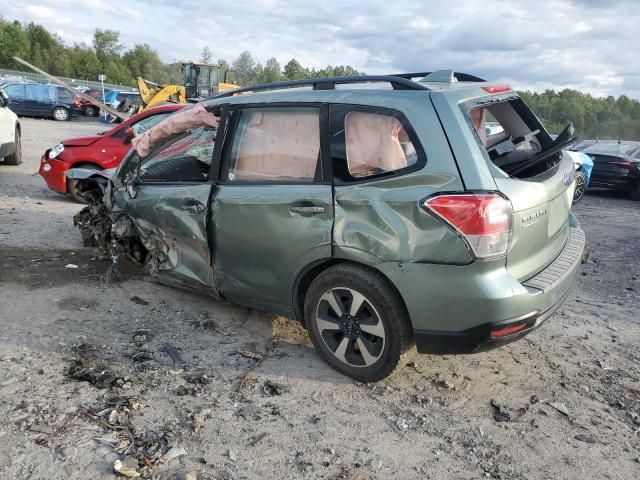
(397, 82)
(460, 76)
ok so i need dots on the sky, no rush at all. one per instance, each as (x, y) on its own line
(589, 45)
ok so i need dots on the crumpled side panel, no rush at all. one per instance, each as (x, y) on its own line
(385, 220)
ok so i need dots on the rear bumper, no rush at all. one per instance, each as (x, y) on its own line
(54, 177)
(479, 339)
(472, 308)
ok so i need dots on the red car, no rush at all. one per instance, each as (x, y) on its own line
(101, 151)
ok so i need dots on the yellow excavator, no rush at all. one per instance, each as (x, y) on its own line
(200, 81)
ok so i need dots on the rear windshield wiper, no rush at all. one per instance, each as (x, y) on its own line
(565, 138)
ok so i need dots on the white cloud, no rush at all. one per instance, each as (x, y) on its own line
(586, 44)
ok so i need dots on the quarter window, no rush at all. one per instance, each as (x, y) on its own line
(370, 143)
(276, 144)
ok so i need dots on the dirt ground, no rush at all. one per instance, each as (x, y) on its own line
(90, 374)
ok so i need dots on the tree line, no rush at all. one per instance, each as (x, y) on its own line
(594, 117)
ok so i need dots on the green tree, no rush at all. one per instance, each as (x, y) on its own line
(294, 71)
(13, 42)
(143, 61)
(206, 56)
(244, 69)
(107, 45)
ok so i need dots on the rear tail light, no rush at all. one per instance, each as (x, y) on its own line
(484, 220)
(77, 102)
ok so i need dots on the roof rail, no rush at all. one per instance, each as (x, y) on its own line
(461, 77)
(397, 82)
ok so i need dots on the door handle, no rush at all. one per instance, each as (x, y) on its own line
(307, 210)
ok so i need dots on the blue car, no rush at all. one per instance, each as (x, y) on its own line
(41, 100)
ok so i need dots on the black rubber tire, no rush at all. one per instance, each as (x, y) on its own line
(124, 105)
(577, 196)
(90, 111)
(61, 114)
(635, 193)
(70, 183)
(16, 157)
(384, 298)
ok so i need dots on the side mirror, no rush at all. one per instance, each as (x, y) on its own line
(128, 135)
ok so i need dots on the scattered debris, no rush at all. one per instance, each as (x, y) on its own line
(199, 418)
(561, 407)
(249, 354)
(443, 383)
(504, 413)
(71, 265)
(173, 452)
(41, 429)
(233, 456)
(138, 300)
(272, 389)
(585, 438)
(604, 365)
(127, 467)
(173, 353)
(257, 439)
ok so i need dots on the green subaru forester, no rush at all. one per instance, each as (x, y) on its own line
(381, 211)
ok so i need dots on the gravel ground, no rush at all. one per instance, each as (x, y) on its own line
(91, 374)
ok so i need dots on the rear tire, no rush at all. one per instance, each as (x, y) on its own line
(635, 193)
(581, 186)
(90, 111)
(16, 157)
(61, 114)
(366, 337)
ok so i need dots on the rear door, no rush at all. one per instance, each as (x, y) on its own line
(272, 208)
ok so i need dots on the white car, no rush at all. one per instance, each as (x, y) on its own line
(10, 146)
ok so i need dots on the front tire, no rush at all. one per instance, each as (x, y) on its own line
(357, 322)
(16, 157)
(61, 114)
(72, 185)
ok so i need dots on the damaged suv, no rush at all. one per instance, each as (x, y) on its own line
(376, 210)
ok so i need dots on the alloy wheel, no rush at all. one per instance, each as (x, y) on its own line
(580, 188)
(61, 114)
(350, 327)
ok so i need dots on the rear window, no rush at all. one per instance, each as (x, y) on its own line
(612, 148)
(509, 132)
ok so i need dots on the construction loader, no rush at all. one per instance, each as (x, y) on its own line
(200, 80)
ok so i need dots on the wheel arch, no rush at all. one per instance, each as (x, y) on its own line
(311, 271)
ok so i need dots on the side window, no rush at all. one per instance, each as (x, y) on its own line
(41, 93)
(15, 91)
(275, 145)
(371, 142)
(187, 158)
(65, 96)
(148, 122)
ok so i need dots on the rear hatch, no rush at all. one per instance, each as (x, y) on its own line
(533, 172)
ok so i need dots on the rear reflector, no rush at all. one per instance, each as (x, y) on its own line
(510, 330)
(483, 219)
(496, 88)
